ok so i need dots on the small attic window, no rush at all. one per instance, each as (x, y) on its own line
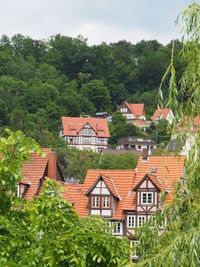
(78, 190)
(153, 170)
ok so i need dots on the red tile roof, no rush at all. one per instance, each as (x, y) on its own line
(136, 109)
(123, 180)
(72, 193)
(161, 113)
(99, 125)
(37, 168)
(194, 123)
(109, 183)
(34, 170)
(168, 170)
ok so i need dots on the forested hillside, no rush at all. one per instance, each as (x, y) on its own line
(40, 80)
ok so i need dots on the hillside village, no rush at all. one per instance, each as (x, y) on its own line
(93, 172)
(127, 198)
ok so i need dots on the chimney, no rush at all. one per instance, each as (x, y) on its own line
(52, 165)
(145, 154)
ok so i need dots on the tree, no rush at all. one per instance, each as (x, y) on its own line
(46, 231)
(123, 161)
(179, 243)
(98, 94)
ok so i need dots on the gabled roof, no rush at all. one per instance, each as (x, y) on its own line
(136, 109)
(109, 183)
(156, 181)
(34, 170)
(161, 113)
(72, 125)
(117, 180)
(169, 169)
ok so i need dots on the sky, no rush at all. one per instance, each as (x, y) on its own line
(97, 20)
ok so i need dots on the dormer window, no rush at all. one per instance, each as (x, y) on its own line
(147, 198)
(95, 202)
(106, 202)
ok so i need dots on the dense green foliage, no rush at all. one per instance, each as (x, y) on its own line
(75, 163)
(46, 231)
(178, 244)
(42, 80)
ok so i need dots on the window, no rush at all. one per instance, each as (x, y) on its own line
(139, 147)
(117, 228)
(130, 221)
(123, 110)
(141, 220)
(106, 202)
(147, 198)
(95, 202)
(17, 192)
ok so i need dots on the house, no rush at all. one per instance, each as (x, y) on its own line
(135, 114)
(85, 133)
(188, 139)
(128, 198)
(35, 171)
(136, 143)
(163, 114)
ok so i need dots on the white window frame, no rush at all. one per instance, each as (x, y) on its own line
(106, 202)
(143, 220)
(124, 110)
(131, 221)
(119, 228)
(147, 202)
(95, 202)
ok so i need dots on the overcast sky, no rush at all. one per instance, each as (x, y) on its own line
(97, 20)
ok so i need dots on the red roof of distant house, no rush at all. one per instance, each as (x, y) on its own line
(72, 125)
(136, 109)
(194, 122)
(161, 113)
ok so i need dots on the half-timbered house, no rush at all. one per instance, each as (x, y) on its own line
(85, 133)
(128, 198)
